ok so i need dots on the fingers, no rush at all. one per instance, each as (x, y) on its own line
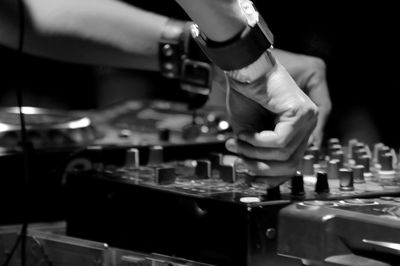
(265, 153)
(309, 72)
(320, 96)
(272, 182)
(272, 169)
(317, 89)
(316, 137)
(288, 128)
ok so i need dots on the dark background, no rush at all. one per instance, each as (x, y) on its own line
(358, 44)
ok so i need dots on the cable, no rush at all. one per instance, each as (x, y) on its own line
(25, 148)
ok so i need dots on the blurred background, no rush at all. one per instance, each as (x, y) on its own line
(358, 43)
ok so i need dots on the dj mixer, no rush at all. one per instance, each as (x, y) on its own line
(351, 232)
(197, 203)
(156, 178)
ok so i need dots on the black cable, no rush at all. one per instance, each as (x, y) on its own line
(9, 257)
(25, 147)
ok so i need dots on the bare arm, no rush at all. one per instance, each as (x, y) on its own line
(218, 19)
(104, 32)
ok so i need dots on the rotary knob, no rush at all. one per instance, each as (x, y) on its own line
(322, 185)
(297, 184)
(346, 180)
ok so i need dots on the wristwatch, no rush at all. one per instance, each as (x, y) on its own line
(245, 56)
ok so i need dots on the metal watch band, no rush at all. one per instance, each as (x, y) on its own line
(171, 48)
(182, 59)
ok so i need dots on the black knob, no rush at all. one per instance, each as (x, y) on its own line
(274, 193)
(156, 155)
(297, 184)
(216, 160)
(227, 173)
(165, 175)
(322, 185)
(164, 134)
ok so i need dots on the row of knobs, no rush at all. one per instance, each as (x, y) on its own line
(204, 169)
(349, 167)
(346, 183)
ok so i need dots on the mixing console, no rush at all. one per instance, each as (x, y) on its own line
(205, 206)
(343, 232)
(218, 174)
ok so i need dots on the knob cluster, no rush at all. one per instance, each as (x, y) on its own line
(349, 165)
(211, 167)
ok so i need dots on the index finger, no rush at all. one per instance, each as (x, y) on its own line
(288, 127)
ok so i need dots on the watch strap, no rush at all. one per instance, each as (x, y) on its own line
(243, 49)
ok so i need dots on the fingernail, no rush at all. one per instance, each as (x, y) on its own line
(231, 145)
(242, 136)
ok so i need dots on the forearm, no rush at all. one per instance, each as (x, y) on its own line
(220, 20)
(104, 32)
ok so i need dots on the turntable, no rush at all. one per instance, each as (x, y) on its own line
(55, 135)
(129, 123)
(45, 128)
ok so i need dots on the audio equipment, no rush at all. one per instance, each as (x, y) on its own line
(347, 232)
(55, 135)
(47, 244)
(194, 202)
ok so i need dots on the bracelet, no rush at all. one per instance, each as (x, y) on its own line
(170, 49)
(181, 58)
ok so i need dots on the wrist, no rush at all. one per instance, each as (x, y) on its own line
(256, 70)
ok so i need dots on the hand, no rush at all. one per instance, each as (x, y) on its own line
(310, 75)
(270, 151)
